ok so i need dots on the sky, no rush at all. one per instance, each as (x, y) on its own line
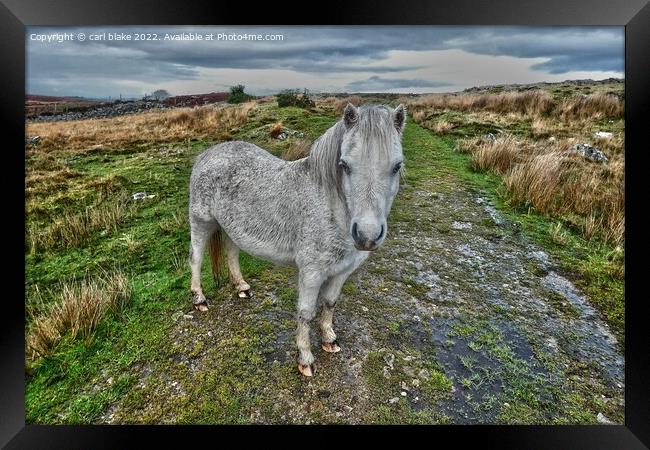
(94, 62)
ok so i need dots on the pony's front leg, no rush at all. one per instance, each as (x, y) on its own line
(329, 295)
(309, 285)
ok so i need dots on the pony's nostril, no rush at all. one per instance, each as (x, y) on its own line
(354, 231)
(381, 233)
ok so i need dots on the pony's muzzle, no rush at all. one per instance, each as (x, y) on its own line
(367, 236)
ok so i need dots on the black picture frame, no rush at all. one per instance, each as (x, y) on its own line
(15, 15)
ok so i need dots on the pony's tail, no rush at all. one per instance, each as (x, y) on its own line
(216, 256)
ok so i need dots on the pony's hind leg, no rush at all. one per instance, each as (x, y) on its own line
(200, 234)
(243, 288)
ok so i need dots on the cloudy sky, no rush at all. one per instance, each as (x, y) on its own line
(321, 59)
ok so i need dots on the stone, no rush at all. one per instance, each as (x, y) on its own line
(604, 420)
(590, 152)
(461, 225)
(142, 196)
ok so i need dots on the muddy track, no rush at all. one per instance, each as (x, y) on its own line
(458, 318)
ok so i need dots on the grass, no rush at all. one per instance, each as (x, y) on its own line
(72, 229)
(205, 122)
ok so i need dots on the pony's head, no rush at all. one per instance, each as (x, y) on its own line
(369, 166)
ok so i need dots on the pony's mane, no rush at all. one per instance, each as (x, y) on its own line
(375, 124)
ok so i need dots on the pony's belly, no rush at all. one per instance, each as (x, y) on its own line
(267, 252)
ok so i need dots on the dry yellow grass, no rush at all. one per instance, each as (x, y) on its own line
(527, 102)
(205, 122)
(300, 149)
(531, 103)
(339, 104)
(78, 309)
(593, 106)
(556, 181)
(276, 129)
(442, 127)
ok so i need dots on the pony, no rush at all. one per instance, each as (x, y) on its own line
(323, 214)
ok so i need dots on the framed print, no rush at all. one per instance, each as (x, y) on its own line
(418, 214)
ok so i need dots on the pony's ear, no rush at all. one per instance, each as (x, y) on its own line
(350, 115)
(399, 117)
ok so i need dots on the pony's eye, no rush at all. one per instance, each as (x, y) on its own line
(344, 166)
(397, 167)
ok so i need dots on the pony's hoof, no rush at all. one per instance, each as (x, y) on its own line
(331, 347)
(244, 294)
(307, 371)
(201, 307)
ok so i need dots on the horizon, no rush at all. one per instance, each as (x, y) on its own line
(172, 94)
(335, 60)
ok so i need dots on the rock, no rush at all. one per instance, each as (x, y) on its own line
(188, 316)
(424, 374)
(404, 386)
(590, 152)
(490, 137)
(386, 372)
(393, 400)
(415, 382)
(142, 195)
(461, 225)
(603, 134)
(604, 420)
(33, 140)
(389, 359)
(403, 394)
(364, 309)
(177, 315)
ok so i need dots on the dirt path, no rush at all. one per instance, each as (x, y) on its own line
(458, 318)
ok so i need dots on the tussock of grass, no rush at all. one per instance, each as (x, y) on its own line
(78, 309)
(205, 122)
(276, 129)
(73, 229)
(498, 155)
(300, 149)
(443, 127)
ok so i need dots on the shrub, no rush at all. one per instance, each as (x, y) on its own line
(295, 98)
(237, 94)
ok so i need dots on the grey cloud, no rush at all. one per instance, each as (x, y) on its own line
(314, 50)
